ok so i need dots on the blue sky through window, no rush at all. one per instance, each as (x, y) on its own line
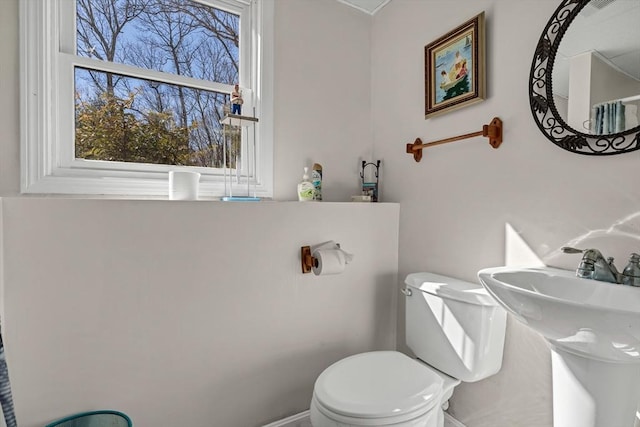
(172, 36)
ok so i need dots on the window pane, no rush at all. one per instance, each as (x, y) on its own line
(174, 36)
(126, 119)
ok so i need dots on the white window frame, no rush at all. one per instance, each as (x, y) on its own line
(48, 164)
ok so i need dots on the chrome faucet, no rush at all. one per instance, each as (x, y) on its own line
(595, 266)
(631, 273)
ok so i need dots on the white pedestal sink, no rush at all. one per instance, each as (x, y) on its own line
(593, 328)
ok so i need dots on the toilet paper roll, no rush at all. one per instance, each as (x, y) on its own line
(329, 261)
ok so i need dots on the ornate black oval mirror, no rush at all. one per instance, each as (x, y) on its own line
(584, 87)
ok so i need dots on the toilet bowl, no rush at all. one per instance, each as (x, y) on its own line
(456, 331)
(380, 388)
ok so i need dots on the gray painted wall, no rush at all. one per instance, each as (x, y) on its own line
(359, 93)
(135, 305)
(457, 202)
(187, 314)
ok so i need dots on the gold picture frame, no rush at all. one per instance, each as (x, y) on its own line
(455, 68)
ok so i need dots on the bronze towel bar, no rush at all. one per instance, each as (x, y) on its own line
(493, 131)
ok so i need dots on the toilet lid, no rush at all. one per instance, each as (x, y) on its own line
(378, 384)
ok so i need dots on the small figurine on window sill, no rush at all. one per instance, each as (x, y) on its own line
(236, 100)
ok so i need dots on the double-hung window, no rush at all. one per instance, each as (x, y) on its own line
(116, 93)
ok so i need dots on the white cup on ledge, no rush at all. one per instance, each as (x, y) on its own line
(183, 185)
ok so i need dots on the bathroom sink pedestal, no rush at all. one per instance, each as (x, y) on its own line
(593, 393)
(594, 331)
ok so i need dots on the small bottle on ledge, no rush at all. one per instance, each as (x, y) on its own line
(306, 190)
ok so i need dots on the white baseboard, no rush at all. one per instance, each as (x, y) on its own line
(289, 421)
(449, 421)
(294, 420)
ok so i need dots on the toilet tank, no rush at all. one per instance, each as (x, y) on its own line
(454, 326)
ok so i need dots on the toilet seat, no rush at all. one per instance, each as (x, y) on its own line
(377, 388)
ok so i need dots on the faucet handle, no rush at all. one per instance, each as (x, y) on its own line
(568, 250)
(590, 255)
(587, 267)
(631, 273)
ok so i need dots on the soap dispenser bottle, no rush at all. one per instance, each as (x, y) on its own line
(306, 190)
(631, 273)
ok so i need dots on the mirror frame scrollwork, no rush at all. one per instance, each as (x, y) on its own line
(541, 101)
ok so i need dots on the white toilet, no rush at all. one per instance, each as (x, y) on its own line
(457, 332)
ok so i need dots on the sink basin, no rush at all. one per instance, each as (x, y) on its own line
(591, 318)
(593, 329)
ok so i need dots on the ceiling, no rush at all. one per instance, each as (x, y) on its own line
(366, 6)
(610, 29)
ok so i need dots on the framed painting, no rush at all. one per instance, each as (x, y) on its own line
(455, 68)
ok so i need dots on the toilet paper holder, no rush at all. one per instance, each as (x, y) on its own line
(308, 261)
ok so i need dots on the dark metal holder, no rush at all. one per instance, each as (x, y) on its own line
(376, 165)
